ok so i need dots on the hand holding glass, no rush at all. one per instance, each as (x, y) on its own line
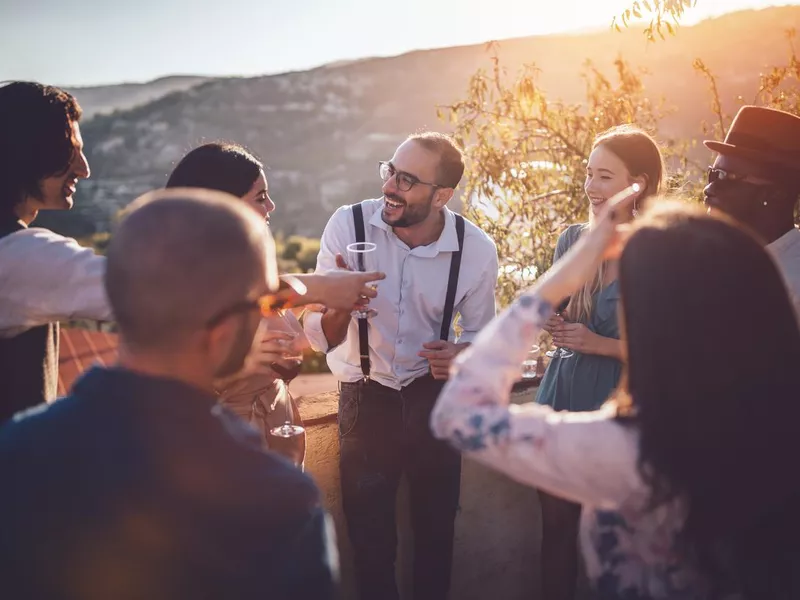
(288, 368)
(363, 256)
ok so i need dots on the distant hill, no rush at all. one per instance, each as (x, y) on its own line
(322, 131)
(106, 99)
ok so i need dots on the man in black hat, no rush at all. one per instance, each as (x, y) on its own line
(756, 180)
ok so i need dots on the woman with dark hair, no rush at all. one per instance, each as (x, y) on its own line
(228, 168)
(582, 375)
(257, 394)
(688, 474)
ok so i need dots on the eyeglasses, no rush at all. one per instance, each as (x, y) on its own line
(715, 174)
(721, 175)
(405, 181)
(267, 304)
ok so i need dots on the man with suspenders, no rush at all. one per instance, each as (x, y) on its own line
(392, 366)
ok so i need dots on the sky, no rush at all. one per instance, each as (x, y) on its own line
(91, 42)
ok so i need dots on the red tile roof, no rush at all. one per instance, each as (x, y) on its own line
(78, 350)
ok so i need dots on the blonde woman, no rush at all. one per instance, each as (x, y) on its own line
(582, 378)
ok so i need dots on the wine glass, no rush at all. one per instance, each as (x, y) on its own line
(560, 352)
(288, 367)
(363, 256)
(530, 362)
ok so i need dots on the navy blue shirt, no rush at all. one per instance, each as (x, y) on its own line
(137, 487)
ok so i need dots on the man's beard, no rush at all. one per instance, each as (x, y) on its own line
(412, 215)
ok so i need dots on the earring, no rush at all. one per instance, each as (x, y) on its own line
(635, 211)
(765, 202)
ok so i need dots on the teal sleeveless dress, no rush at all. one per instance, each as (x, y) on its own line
(583, 382)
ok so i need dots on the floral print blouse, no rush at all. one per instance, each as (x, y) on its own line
(586, 457)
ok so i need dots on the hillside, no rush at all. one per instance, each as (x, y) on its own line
(322, 131)
(105, 99)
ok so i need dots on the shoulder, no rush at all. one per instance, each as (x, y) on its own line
(44, 248)
(570, 235)
(343, 216)
(368, 207)
(573, 232)
(476, 238)
(30, 431)
(34, 237)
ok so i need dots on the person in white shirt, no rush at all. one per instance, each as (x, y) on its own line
(687, 477)
(44, 277)
(388, 388)
(756, 180)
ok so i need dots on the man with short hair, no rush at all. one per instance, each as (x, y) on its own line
(756, 180)
(393, 365)
(139, 484)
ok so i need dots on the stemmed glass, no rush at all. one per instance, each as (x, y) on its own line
(530, 362)
(288, 367)
(560, 352)
(363, 256)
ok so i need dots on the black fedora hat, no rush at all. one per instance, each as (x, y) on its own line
(763, 135)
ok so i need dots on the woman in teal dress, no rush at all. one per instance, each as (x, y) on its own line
(584, 379)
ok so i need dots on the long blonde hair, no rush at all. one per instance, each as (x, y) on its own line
(640, 154)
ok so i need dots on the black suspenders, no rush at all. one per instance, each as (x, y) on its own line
(450, 298)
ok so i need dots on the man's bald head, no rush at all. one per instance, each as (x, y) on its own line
(178, 258)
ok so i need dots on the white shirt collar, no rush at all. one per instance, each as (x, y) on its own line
(447, 242)
(786, 241)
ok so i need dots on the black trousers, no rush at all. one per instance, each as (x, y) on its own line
(560, 527)
(384, 433)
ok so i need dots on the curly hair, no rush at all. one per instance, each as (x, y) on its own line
(36, 138)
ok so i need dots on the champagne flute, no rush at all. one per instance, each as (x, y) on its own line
(363, 256)
(560, 352)
(288, 368)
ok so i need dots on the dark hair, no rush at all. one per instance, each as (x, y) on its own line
(713, 349)
(639, 151)
(36, 138)
(217, 166)
(451, 158)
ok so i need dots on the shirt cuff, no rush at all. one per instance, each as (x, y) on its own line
(312, 325)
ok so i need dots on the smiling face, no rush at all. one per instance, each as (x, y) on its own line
(258, 198)
(56, 191)
(415, 164)
(606, 175)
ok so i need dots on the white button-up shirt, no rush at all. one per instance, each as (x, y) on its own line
(786, 252)
(411, 299)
